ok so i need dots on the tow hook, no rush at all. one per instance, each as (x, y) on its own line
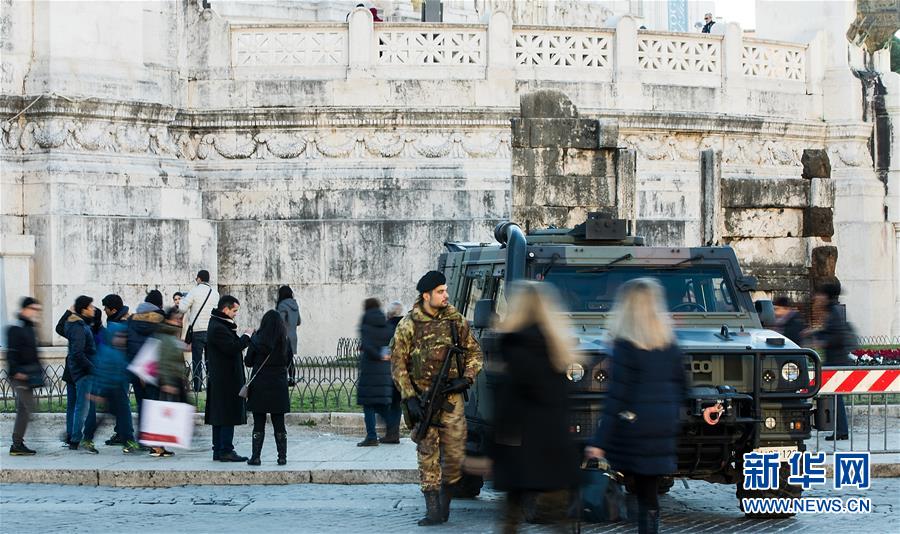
(712, 414)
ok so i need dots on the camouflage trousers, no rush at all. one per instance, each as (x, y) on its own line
(442, 451)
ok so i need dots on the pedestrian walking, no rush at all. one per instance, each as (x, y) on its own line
(836, 339)
(638, 429)
(118, 313)
(224, 406)
(533, 451)
(289, 309)
(788, 321)
(111, 377)
(375, 391)
(170, 369)
(197, 306)
(24, 370)
(141, 325)
(80, 361)
(269, 356)
(418, 349)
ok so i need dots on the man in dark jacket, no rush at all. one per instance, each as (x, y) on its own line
(833, 339)
(80, 361)
(375, 391)
(24, 369)
(225, 378)
(144, 323)
(708, 23)
(789, 322)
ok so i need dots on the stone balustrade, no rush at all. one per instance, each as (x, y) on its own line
(404, 51)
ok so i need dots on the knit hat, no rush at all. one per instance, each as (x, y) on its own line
(430, 281)
(28, 301)
(154, 297)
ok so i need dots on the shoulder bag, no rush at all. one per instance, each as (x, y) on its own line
(245, 389)
(189, 336)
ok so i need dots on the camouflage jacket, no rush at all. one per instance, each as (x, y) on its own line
(420, 344)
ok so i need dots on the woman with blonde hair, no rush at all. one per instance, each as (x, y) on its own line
(532, 450)
(638, 430)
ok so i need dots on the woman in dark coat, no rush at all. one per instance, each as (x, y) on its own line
(375, 391)
(225, 378)
(532, 451)
(638, 430)
(269, 355)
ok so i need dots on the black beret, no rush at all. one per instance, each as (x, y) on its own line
(430, 281)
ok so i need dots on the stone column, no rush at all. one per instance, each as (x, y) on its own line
(628, 83)
(710, 197)
(891, 82)
(361, 37)
(564, 166)
(733, 79)
(895, 325)
(16, 252)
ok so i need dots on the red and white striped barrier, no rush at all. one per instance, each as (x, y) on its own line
(860, 381)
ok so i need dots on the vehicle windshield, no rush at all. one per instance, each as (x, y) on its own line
(687, 290)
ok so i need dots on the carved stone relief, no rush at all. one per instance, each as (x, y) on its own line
(100, 136)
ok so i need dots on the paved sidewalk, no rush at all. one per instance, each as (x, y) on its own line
(315, 455)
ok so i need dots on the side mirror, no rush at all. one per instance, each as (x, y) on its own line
(766, 312)
(484, 314)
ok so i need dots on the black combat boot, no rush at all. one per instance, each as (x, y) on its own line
(432, 509)
(258, 438)
(648, 521)
(447, 493)
(281, 445)
(391, 437)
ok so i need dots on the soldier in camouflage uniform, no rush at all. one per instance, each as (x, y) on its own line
(418, 349)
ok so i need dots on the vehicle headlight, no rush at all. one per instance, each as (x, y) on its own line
(770, 423)
(575, 372)
(790, 371)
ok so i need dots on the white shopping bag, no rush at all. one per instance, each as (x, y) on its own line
(166, 424)
(146, 361)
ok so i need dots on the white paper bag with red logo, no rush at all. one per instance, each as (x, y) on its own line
(146, 361)
(166, 424)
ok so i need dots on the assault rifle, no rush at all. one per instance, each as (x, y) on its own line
(435, 400)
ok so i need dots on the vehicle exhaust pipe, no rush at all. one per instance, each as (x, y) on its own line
(510, 235)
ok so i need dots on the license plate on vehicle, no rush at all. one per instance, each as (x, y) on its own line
(784, 453)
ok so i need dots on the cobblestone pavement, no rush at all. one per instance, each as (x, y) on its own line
(371, 508)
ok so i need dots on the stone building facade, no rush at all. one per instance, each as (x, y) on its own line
(144, 141)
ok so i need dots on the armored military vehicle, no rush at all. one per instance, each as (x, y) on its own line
(750, 387)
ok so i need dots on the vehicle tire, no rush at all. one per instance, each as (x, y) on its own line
(785, 491)
(469, 486)
(665, 484)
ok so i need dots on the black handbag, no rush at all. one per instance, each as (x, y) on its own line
(601, 497)
(189, 335)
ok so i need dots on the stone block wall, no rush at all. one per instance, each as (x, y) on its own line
(140, 142)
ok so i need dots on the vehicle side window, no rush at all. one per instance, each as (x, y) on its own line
(479, 284)
(500, 299)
